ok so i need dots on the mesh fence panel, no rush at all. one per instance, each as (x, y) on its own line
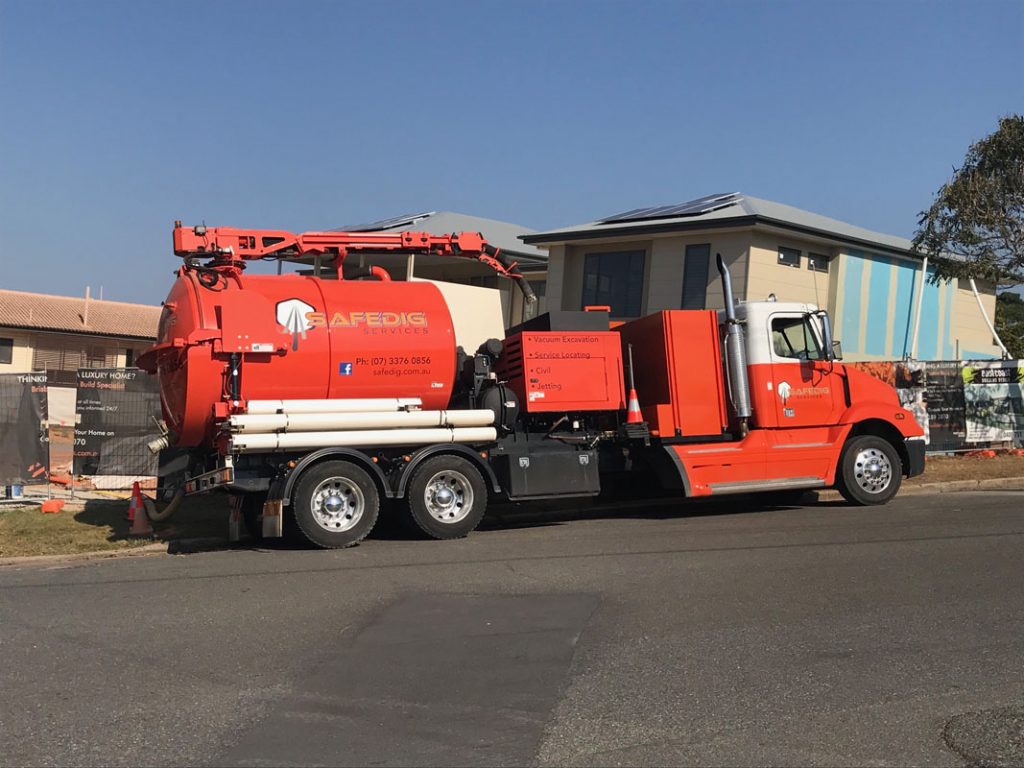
(22, 439)
(118, 409)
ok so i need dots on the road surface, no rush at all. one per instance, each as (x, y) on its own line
(717, 634)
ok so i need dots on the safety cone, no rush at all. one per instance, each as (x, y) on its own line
(133, 505)
(633, 415)
(140, 524)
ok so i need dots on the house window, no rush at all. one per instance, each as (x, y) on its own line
(129, 358)
(817, 262)
(6, 351)
(789, 256)
(614, 279)
(695, 276)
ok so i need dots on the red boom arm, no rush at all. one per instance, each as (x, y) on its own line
(230, 248)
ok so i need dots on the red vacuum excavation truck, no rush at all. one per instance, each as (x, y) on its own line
(319, 398)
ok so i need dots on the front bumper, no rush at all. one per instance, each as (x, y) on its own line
(915, 454)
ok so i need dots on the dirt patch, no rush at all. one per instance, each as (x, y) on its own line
(941, 469)
(101, 525)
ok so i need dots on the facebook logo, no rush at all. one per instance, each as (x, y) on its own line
(345, 369)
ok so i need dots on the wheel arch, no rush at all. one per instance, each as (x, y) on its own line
(449, 449)
(888, 432)
(326, 454)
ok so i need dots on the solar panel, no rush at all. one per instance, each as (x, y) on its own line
(395, 221)
(701, 205)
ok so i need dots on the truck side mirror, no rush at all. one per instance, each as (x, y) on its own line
(837, 350)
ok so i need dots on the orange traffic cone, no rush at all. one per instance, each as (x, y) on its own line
(133, 505)
(633, 415)
(137, 509)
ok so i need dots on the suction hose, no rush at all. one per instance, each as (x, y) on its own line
(167, 511)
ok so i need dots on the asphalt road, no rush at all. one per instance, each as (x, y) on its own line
(713, 634)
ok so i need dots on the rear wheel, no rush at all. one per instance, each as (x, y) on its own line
(447, 497)
(335, 504)
(870, 471)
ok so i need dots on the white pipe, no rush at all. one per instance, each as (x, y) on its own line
(333, 405)
(322, 422)
(992, 328)
(360, 439)
(920, 303)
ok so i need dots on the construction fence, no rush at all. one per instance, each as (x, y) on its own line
(92, 435)
(961, 405)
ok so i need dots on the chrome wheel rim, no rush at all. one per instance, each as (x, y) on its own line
(337, 504)
(872, 470)
(448, 497)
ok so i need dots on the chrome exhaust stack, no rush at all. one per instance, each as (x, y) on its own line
(735, 354)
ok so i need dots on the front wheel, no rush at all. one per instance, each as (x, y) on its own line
(870, 471)
(335, 504)
(447, 497)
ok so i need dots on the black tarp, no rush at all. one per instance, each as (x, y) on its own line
(23, 450)
(118, 410)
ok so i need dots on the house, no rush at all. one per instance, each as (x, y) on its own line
(60, 334)
(649, 259)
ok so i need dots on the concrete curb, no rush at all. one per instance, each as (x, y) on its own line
(156, 548)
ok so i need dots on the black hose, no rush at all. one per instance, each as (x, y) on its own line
(524, 285)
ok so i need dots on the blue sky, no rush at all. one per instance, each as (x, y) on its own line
(123, 116)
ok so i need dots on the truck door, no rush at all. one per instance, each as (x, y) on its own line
(807, 386)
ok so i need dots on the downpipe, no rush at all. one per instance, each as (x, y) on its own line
(735, 354)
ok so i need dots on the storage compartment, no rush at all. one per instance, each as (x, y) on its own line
(679, 377)
(527, 470)
(564, 372)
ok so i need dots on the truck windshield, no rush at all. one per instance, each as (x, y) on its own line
(794, 337)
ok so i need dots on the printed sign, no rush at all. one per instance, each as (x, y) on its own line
(23, 447)
(993, 404)
(117, 409)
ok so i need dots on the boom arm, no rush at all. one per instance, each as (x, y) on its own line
(230, 248)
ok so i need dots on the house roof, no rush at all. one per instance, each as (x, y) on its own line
(738, 210)
(501, 234)
(67, 314)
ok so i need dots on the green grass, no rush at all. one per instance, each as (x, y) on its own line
(100, 525)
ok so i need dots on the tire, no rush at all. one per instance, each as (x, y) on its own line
(447, 497)
(335, 504)
(870, 471)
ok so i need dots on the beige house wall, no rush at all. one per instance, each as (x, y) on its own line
(664, 265)
(25, 344)
(21, 354)
(971, 334)
(767, 276)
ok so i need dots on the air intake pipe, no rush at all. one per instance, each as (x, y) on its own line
(735, 354)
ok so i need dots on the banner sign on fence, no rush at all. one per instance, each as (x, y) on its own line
(117, 408)
(993, 404)
(22, 439)
(944, 397)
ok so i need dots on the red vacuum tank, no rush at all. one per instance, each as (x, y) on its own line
(296, 337)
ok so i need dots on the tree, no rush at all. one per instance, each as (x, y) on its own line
(975, 227)
(1010, 322)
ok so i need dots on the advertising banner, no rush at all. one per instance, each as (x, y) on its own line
(117, 409)
(22, 439)
(909, 379)
(993, 407)
(944, 398)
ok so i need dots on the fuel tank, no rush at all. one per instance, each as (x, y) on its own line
(254, 337)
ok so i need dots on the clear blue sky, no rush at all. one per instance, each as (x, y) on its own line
(120, 117)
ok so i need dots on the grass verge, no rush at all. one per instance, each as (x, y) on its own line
(100, 526)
